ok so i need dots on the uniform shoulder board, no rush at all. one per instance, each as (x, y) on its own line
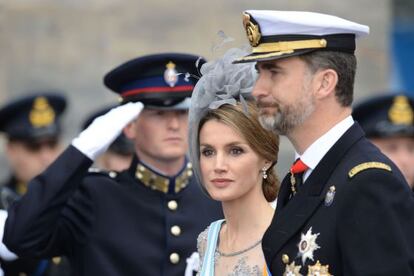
(111, 174)
(368, 165)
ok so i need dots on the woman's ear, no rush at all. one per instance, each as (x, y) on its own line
(326, 81)
(267, 164)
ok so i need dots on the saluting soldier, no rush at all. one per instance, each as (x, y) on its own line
(344, 208)
(142, 221)
(31, 126)
(388, 122)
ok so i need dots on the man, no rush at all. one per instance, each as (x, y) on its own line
(388, 122)
(119, 154)
(142, 221)
(353, 215)
(31, 126)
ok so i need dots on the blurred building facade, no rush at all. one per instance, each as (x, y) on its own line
(70, 44)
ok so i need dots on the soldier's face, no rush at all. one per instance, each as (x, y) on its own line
(230, 169)
(160, 135)
(401, 151)
(28, 159)
(283, 93)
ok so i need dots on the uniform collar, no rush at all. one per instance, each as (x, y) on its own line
(155, 180)
(17, 186)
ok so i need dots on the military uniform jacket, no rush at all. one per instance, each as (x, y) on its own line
(107, 226)
(28, 266)
(345, 219)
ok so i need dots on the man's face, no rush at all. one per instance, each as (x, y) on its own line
(160, 135)
(284, 95)
(28, 159)
(401, 151)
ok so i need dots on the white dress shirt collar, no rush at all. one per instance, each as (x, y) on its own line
(317, 150)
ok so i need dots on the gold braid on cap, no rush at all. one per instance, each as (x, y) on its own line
(252, 30)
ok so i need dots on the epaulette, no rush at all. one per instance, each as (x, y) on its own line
(111, 174)
(368, 165)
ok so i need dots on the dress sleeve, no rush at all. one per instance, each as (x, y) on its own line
(201, 246)
(36, 225)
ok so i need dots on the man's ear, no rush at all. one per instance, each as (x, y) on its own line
(326, 81)
(129, 130)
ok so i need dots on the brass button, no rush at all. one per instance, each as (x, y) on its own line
(22, 274)
(56, 260)
(172, 205)
(285, 259)
(174, 258)
(176, 230)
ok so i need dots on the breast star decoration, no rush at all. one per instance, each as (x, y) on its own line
(292, 270)
(318, 270)
(308, 245)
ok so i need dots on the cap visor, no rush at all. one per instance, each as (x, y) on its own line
(272, 55)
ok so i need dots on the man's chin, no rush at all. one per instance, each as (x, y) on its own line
(267, 122)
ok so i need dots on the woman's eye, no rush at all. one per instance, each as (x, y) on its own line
(207, 152)
(236, 151)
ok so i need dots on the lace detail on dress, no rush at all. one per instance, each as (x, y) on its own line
(243, 269)
(201, 246)
(247, 263)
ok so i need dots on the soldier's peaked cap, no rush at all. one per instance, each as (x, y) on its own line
(160, 80)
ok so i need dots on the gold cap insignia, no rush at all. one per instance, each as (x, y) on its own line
(170, 74)
(42, 114)
(318, 269)
(252, 30)
(368, 165)
(400, 112)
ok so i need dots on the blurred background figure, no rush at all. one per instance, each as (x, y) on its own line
(119, 155)
(31, 128)
(388, 121)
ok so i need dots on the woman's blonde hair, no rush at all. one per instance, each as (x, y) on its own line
(243, 118)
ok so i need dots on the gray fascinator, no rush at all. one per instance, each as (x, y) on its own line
(222, 82)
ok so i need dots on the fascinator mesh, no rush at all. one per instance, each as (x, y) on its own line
(222, 82)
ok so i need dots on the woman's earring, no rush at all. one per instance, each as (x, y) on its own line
(264, 173)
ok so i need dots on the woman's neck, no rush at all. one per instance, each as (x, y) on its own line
(246, 221)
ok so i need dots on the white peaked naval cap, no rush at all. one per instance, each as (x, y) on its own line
(279, 34)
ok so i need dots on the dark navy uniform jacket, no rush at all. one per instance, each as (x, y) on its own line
(107, 226)
(28, 266)
(362, 226)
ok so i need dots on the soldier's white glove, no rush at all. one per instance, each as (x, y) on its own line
(99, 135)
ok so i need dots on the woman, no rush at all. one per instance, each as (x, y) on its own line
(233, 157)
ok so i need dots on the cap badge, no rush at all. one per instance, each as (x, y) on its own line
(401, 112)
(318, 269)
(307, 245)
(42, 114)
(170, 74)
(252, 30)
(330, 196)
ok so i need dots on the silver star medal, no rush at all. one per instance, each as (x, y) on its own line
(170, 74)
(307, 245)
(330, 196)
